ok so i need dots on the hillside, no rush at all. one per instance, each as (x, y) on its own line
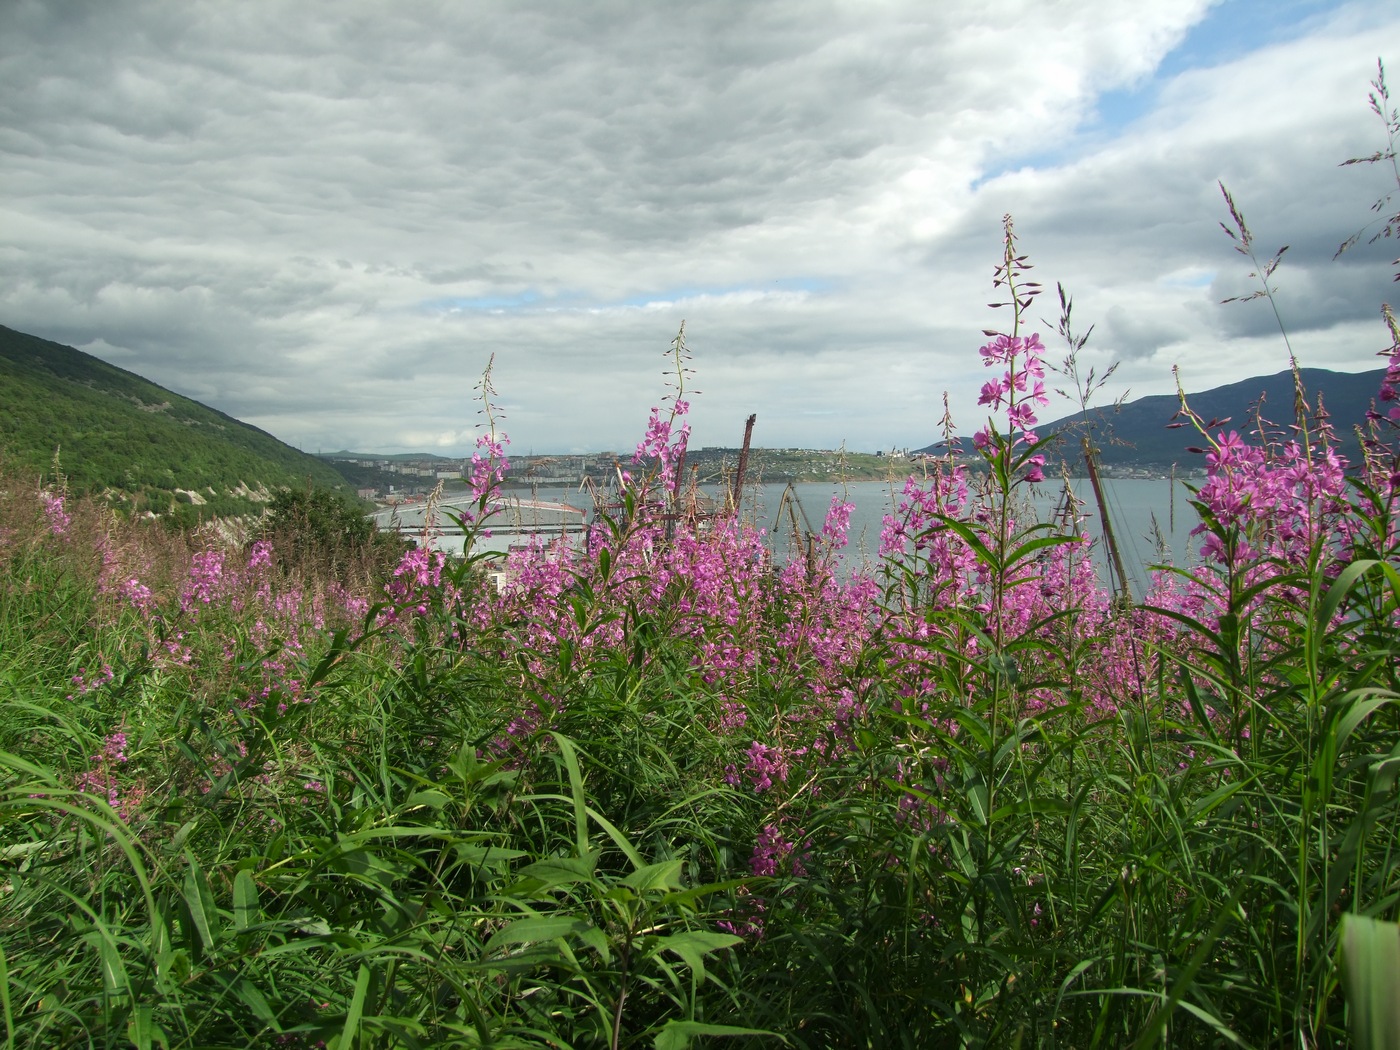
(144, 447)
(1137, 434)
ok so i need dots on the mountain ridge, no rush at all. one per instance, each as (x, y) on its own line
(1138, 433)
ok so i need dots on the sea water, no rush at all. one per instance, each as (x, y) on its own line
(1151, 519)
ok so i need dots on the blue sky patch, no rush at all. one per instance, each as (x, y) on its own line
(1229, 30)
(533, 301)
(812, 285)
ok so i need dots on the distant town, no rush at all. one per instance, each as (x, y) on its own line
(389, 479)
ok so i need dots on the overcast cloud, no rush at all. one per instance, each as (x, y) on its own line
(324, 218)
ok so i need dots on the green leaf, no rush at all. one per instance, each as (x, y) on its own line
(199, 898)
(1033, 806)
(351, 1031)
(970, 536)
(676, 1035)
(253, 998)
(664, 875)
(1361, 710)
(1214, 800)
(430, 798)
(1371, 972)
(245, 900)
(1157, 1020)
(486, 854)
(1345, 581)
(555, 872)
(629, 850)
(5, 1001)
(693, 945)
(536, 928)
(114, 976)
(974, 787)
(1040, 543)
(141, 1029)
(566, 748)
(597, 940)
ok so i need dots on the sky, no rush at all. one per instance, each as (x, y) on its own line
(325, 218)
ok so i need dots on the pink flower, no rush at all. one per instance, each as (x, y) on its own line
(206, 580)
(1024, 376)
(772, 852)
(837, 523)
(135, 593)
(58, 518)
(490, 469)
(1000, 350)
(993, 393)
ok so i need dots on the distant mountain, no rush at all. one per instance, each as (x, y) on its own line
(389, 457)
(144, 447)
(1137, 434)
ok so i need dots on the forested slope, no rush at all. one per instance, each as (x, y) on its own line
(112, 432)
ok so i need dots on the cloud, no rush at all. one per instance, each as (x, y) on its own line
(326, 220)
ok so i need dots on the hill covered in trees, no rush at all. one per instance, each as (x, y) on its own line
(113, 434)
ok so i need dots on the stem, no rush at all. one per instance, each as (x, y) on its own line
(621, 994)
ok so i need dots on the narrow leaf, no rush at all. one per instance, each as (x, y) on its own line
(245, 900)
(199, 898)
(350, 1033)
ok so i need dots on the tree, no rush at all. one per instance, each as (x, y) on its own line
(316, 528)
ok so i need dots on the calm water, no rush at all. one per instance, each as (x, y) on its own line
(1133, 506)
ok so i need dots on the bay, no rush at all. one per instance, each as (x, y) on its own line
(1151, 519)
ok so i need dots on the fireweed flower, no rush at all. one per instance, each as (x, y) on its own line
(206, 580)
(664, 443)
(1024, 376)
(747, 921)
(57, 517)
(837, 525)
(1273, 502)
(86, 683)
(1390, 383)
(101, 779)
(489, 463)
(114, 748)
(773, 852)
(260, 557)
(136, 594)
(766, 764)
(417, 577)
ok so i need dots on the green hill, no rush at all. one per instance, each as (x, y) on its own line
(142, 446)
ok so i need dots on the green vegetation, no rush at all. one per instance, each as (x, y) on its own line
(797, 464)
(660, 794)
(113, 434)
(778, 464)
(314, 527)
